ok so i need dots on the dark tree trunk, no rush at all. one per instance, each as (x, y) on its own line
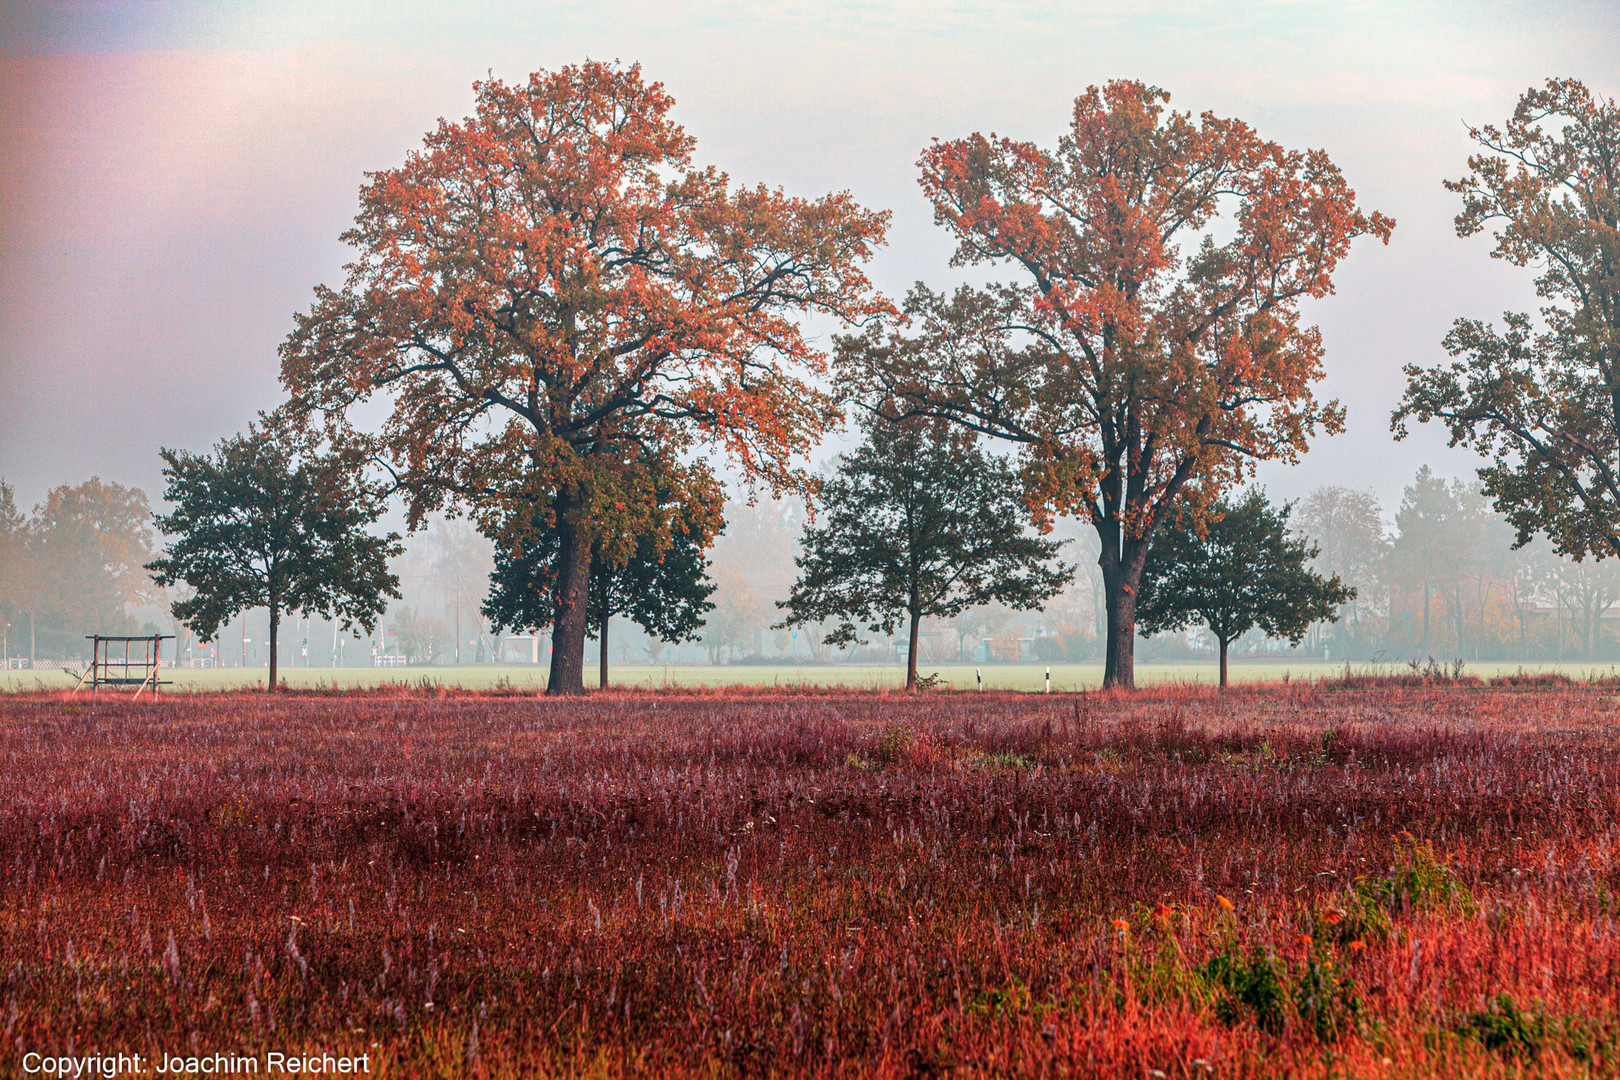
(601, 678)
(573, 604)
(1224, 643)
(1121, 561)
(1120, 670)
(275, 631)
(911, 654)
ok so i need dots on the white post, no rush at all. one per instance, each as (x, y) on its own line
(1048, 680)
(978, 678)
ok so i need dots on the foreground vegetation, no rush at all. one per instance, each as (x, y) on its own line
(1296, 880)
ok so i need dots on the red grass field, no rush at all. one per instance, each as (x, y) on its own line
(1293, 881)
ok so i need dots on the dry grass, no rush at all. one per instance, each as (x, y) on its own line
(1375, 882)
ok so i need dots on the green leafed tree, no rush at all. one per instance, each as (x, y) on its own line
(1243, 571)
(265, 521)
(1542, 402)
(656, 574)
(918, 522)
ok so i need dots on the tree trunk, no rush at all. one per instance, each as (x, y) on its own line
(573, 603)
(1426, 653)
(1120, 670)
(911, 654)
(601, 678)
(1224, 643)
(1462, 619)
(275, 630)
(1121, 561)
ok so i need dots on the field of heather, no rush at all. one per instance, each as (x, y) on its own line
(1274, 881)
(796, 678)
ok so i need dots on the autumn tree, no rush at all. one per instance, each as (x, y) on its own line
(660, 581)
(1237, 570)
(917, 522)
(83, 550)
(736, 619)
(1543, 403)
(1136, 361)
(419, 635)
(549, 288)
(73, 566)
(265, 521)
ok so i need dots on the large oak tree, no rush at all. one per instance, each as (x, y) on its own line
(550, 288)
(1542, 401)
(1136, 360)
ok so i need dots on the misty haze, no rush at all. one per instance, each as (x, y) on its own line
(863, 539)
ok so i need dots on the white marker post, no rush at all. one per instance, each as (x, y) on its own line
(978, 678)
(1048, 680)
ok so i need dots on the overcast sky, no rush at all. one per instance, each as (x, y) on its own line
(174, 177)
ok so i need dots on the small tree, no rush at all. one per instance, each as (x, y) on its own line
(264, 522)
(659, 579)
(420, 635)
(1244, 571)
(919, 522)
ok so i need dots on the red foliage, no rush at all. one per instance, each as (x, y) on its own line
(554, 305)
(1162, 364)
(874, 885)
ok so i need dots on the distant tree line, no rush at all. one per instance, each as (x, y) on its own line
(1443, 579)
(72, 566)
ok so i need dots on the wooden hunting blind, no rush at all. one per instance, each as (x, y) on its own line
(138, 665)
